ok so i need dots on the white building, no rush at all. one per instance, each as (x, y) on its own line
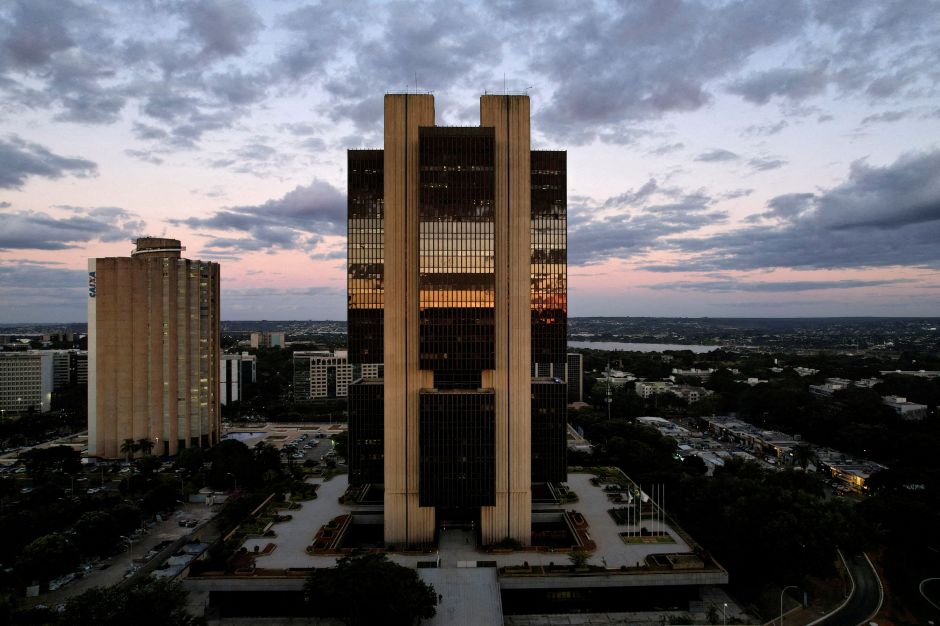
(831, 386)
(236, 370)
(906, 410)
(26, 381)
(648, 388)
(322, 374)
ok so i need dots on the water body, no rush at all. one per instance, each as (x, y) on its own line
(639, 347)
(245, 436)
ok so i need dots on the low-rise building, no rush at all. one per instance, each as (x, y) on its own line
(831, 386)
(646, 389)
(906, 410)
(917, 373)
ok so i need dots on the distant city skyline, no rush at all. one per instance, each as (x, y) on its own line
(743, 159)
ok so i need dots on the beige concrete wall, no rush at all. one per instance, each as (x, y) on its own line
(512, 514)
(136, 301)
(405, 521)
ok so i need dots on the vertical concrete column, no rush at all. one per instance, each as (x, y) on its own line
(512, 514)
(405, 521)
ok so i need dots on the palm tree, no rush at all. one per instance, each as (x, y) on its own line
(145, 445)
(290, 449)
(129, 447)
(803, 455)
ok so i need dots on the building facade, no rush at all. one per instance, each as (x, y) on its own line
(574, 376)
(153, 350)
(236, 370)
(265, 339)
(27, 380)
(457, 285)
(320, 374)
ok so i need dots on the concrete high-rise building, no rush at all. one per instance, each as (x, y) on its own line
(265, 339)
(457, 284)
(236, 370)
(153, 350)
(26, 381)
(320, 374)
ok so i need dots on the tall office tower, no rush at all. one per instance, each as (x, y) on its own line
(27, 380)
(153, 350)
(575, 377)
(457, 284)
(235, 371)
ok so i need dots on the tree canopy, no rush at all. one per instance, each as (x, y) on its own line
(370, 589)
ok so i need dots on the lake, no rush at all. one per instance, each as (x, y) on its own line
(639, 347)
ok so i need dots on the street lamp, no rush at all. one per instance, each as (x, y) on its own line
(234, 480)
(783, 591)
(724, 614)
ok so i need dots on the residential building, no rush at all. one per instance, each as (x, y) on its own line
(153, 350)
(906, 410)
(831, 386)
(26, 381)
(265, 339)
(236, 370)
(320, 374)
(648, 388)
(457, 284)
(616, 378)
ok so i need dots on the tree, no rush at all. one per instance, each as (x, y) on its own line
(145, 445)
(803, 455)
(39, 461)
(148, 464)
(95, 532)
(47, 557)
(129, 447)
(190, 460)
(578, 558)
(145, 603)
(341, 444)
(370, 589)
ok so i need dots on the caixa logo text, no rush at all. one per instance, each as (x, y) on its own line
(91, 284)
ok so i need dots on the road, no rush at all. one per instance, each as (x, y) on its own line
(930, 589)
(866, 598)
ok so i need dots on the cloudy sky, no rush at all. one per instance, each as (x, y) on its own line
(726, 158)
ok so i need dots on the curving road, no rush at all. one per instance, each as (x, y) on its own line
(866, 598)
(930, 589)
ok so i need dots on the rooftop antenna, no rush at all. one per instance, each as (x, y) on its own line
(504, 84)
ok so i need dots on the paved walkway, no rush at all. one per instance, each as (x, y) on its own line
(293, 537)
(456, 545)
(469, 596)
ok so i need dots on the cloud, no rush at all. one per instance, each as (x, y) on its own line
(717, 155)
(644, 218)
(880, 216)
(29, 230)
(762, 164)
(765, 130)
(223, 28)
(887, 116)
(791, 83)
(613, 64)
(20, 160)
(300, 217)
